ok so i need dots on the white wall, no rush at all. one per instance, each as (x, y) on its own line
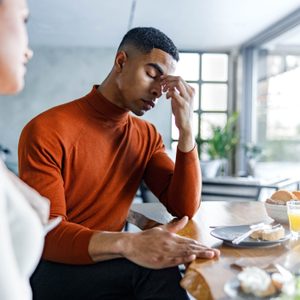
(59, 75)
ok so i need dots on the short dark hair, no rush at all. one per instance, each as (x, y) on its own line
(146, 39)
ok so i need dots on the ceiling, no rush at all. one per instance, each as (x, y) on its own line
(192, 24)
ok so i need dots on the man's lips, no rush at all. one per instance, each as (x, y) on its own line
(149, 104)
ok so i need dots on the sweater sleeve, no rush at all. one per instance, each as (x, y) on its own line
(40, 163)
(177, 187)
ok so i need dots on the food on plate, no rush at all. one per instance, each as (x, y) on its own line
(297, 194)
(257, 282)
(261, 284)
(273, 234)
(282, 196)
(257, 234)
(268, 233)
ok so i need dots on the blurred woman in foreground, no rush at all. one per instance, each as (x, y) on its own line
(23, 212)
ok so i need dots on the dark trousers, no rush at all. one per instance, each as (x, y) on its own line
(108, 280)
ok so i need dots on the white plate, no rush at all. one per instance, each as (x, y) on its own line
(229, 233)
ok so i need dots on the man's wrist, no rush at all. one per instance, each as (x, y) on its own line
(186, 141)
(109, 245)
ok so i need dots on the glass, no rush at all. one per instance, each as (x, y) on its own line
(292, 61)
(214, 96)
(211, 119)
(275, 64)
(214, 67)
(188, 66)
(195, 124)
(175, 132)
(196, 97)
(277, 123)
(293, 210)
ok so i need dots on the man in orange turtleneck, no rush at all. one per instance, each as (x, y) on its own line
(89, 156)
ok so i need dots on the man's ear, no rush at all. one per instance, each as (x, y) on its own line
(120, 60)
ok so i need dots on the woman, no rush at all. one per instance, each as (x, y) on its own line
(22, 210)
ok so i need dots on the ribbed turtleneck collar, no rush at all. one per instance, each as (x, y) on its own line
(105, 109)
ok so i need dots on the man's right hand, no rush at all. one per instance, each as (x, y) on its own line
(161, 247)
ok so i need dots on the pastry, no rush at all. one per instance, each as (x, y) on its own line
(297, 194)
(268, 233)
(256, 281)
(283, 195)
(273, 234)
(257, 234)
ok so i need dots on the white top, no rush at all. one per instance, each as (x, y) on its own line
(21, 237)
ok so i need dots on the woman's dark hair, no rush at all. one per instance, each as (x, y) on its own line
(146, 39)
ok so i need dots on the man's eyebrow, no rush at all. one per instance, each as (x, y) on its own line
(157, 67)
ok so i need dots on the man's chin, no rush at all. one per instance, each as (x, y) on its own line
(139, 113)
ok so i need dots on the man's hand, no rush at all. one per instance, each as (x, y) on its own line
(161, 247)
(182, 96)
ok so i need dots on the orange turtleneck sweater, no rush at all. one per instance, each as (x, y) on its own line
(88, 158)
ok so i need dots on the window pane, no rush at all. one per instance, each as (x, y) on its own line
(196, 98)
(214, 96)
(209, 119)
(292, 61)
(175, 133)
(214, 67)
(174, 146)
(275, 65)
(188, 66)
(278, 122)
(196, 124)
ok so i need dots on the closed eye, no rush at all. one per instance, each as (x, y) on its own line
(151, 75)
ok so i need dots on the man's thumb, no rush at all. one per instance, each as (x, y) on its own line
(177, 225)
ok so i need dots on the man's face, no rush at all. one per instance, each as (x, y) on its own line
(139, 80)
(14, 52)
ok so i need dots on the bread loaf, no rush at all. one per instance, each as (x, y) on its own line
(273, 234)
(297, 194)
(257, 234)
(282, 196)
(268, 234)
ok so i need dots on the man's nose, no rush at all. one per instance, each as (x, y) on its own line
(156, 90)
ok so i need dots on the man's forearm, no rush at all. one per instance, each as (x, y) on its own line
(155, 248)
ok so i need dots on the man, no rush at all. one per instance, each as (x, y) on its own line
(89, 157)
(22, 211)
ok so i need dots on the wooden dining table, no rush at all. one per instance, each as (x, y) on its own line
(206, 278)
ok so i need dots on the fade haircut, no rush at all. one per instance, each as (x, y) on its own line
(145, 39)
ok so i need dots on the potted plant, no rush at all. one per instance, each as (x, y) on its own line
(219, 147)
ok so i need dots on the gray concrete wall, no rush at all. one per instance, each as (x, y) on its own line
(59, 75)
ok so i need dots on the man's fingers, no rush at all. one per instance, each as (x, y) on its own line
(177, 82)
(185, 249)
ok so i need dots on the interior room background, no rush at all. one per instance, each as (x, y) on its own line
(232, 68)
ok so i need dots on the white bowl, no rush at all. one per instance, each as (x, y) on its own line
(277, 212)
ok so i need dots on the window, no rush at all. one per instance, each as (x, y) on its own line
(208, 74)
(277, 114)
